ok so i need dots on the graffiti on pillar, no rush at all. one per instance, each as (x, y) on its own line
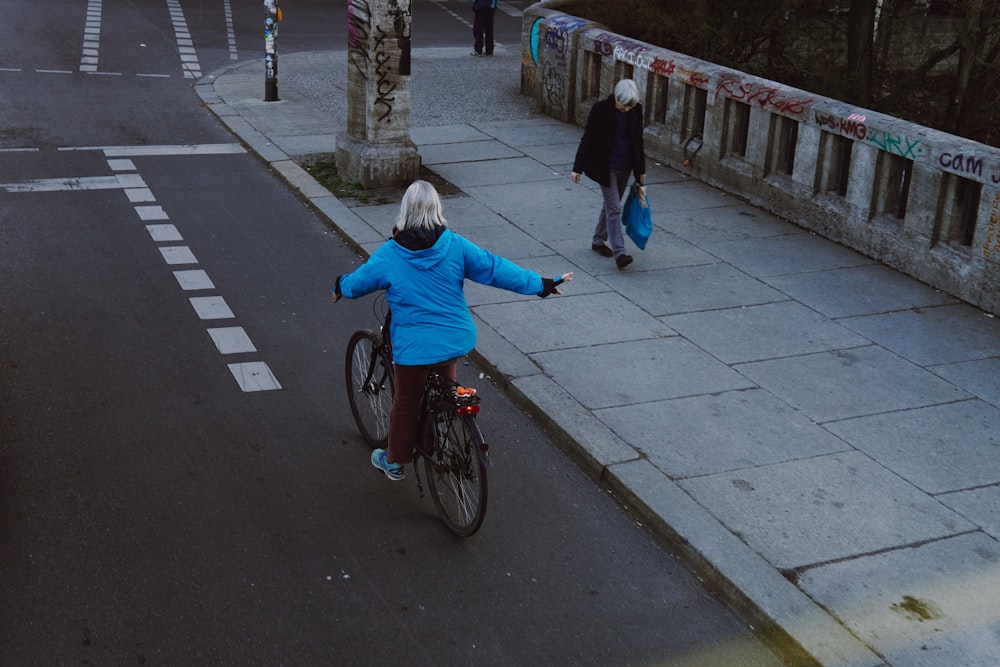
(992, 243)
(384, 79)
(359, 21)
(554, 84)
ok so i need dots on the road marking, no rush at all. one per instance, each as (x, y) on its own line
(164, 233)
(230, 32)
(251, 376)
(58, 184)
(193, 279)
(152, 213)
(254, 376)
(139, 194)
(91, 36)
(189, 58)
(54, 71)
(232, 340)
(121, 165)
(187, 149)
(180, 254)
(211, 308)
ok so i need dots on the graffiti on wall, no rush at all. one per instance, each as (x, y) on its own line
(992, 243)
(639, 55)
(763, 95)
(856, 127)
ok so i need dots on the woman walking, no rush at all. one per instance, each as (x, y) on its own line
(611, 149)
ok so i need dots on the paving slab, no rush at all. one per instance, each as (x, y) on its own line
(829, 386)
(505, 170)
(860, 290)
(569, 212)
(638, 371)
(855, 506)
(573, 321)
(938, 449)
(670, 198)
(767, 331)
(693, 288)
(930, 606)
(469, 151)
(918, 334)
(722, 223)
(980, 506)
(703, 435)
(786, 254)
(980, 377)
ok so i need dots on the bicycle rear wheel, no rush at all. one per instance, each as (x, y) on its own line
(369, 386)
(456, 473)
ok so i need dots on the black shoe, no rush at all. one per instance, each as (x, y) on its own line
(489, 53)
(623, 260)
(602, 250)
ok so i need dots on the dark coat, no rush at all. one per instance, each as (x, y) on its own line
(594, 154)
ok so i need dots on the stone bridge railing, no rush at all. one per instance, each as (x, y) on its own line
(921, 201)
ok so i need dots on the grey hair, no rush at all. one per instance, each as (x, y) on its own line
(420, 208)
(627, 93)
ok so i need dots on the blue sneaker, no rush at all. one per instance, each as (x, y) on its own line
(393, 471)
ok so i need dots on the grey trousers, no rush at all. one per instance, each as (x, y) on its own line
(609, 225)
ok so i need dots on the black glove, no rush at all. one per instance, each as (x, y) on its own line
(336, 289)
(549, 286)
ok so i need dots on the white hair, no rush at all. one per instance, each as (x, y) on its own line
(420, 208)
(627, 93)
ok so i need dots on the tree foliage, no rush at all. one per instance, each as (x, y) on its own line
(933, 62)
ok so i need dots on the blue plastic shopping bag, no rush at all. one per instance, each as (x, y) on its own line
(635, 216)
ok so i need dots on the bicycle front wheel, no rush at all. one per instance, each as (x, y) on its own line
(369, 386)
(457, 473)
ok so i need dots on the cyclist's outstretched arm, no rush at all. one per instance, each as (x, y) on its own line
(549, 285)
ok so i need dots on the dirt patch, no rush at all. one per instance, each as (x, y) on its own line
(323, 168)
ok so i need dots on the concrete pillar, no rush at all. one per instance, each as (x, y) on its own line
(376, 150)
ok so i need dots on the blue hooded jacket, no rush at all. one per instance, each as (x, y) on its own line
(431, 322)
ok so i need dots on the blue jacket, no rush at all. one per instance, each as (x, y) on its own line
(431, 322)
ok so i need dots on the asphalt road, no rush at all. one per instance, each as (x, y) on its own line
(180, 489)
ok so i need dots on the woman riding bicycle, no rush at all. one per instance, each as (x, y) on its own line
(423, 269)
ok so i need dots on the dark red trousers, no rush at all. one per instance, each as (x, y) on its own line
(405, 413)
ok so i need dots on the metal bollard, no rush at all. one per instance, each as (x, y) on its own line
(272, 16)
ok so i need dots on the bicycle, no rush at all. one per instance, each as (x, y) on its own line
(455, 455)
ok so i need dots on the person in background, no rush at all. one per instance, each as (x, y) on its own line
(482, 26)
(423, 269)
(611, 148)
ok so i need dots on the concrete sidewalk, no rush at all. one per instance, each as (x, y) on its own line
(818, 434)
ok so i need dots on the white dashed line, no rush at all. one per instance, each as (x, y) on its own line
(91, 36)
(193, 279)
(211, 308)
(152, 213)
(254, 376)
(178, 255)
(232, 340)
(250, 376)
(230, 31)
(161, 233)
(139, 195)
(185, 47)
